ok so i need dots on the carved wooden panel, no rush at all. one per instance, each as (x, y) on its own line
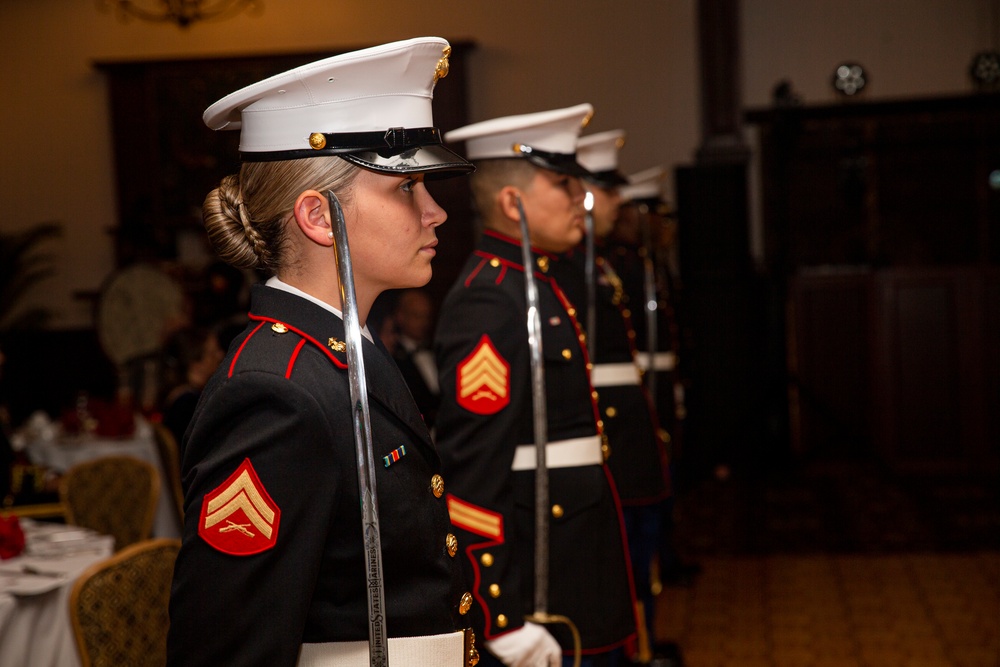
(882, 233)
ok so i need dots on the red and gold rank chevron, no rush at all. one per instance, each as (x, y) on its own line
(475, 519)
(483, 380)
(239, 517)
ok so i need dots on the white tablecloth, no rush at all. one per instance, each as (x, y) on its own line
(61, 455)
(35, 628)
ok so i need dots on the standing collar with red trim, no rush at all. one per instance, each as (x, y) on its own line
(277, 283)
(276, 305)
(509, 248)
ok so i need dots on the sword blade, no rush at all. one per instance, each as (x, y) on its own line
(378, 645)
(540, 421)
(649, 287)
(588, 205)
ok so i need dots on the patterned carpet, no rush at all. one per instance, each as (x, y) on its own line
(842, 565)
(848, 507)
(899, 610)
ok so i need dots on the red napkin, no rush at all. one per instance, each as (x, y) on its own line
(11, 537)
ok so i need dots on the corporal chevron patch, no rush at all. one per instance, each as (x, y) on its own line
(483, 380)
(475, 519)
(239, 517)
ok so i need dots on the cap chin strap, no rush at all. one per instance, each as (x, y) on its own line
(397, 150)
(392, 141)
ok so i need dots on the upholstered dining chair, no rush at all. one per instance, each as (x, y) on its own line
(114, 495)
(118, 607)
(170, 460)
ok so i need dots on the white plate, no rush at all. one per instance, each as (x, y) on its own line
(23, 583)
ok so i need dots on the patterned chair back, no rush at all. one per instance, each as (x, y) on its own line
(170, 459)
(119, 607)
(114, 495)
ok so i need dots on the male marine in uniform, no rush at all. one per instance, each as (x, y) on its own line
(485, 423)
(637, 455)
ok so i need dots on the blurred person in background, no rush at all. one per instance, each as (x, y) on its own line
(486, 424)
(189, 358)
(413, 318)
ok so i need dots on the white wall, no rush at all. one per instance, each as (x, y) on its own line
(909, 48)
(635, 60)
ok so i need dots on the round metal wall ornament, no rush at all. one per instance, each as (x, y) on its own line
(985, 70)
(849, 79)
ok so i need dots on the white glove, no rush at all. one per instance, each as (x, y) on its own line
(528, 646)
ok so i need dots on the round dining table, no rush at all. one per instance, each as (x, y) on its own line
(60, 453)
(35, 587)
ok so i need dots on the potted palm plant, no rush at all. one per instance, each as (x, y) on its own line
(22, 265)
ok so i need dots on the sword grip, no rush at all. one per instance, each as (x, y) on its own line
(557, 619)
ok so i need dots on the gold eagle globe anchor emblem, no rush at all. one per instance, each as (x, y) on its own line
(442, 67)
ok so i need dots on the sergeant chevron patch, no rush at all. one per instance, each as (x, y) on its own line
(483, 380)
(239, 517)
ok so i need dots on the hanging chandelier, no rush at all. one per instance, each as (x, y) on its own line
(181, 12)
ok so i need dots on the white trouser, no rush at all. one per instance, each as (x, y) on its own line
(446, 650)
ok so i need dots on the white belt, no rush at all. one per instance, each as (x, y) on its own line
(430, 651)
(615, 375)
(662, 361)
(570, 453)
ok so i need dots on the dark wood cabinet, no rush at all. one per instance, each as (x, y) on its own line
(882, 232)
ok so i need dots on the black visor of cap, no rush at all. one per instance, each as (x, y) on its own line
(563, 163)
(395, 151)
(435, 161)
(607, 179)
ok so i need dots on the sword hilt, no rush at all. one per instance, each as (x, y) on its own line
(556, 619)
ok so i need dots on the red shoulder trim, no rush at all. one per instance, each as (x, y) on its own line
(242, 345)
(294, 358)
(503, 262)
(337, 362)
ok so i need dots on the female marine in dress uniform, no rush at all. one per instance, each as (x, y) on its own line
(272, 570)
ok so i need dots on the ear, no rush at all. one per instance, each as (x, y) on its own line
(507, 203)
(312, 215)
